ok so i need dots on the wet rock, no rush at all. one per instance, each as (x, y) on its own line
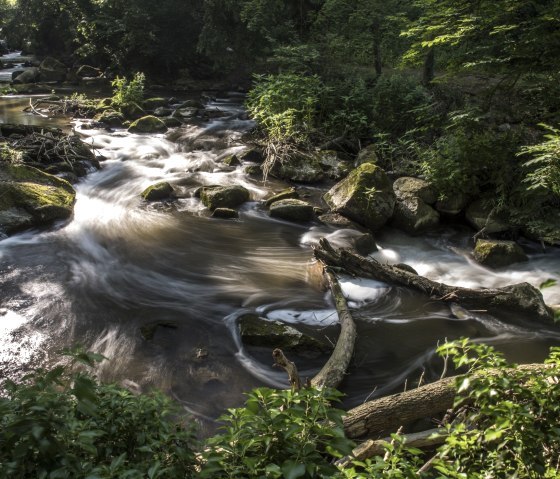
(257, 331)
(31, 197)
(483, 214)
(351, 239)
(52, 70)
(225, 213)
(185, 113)
(172, 122)
(292, 210)
(232, 160)
(524, 297)
(87, 71)
(367, 155)
(159, 191)
(334, 219)
(224, 196)
(191, 104)
(253, 155)
(498, 254)
(132, 111)
(148, 124)
(110, 118)
(148, 331)
(162, 111)
(408, 187)
(365, 196)
(452, 205)
(21, 77)
(312, 167)
(288, 193)
(414, 216)
(253, 170)
(153, 103)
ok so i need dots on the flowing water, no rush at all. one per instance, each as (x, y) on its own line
(158, 289)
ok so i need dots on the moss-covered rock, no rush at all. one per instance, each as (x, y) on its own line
(253, 155)
(366, 196)
(253, 170)
(147, 124)
(153, 103)
(159, 191)
(232, 160)
(111, 118)
(132, 111)
(224, 196)
(52, 70)
(225, 213)
(367, 155)
(311, 167)
(172, 122)
(257, 331)
(31, 197)
(498, 254)
(288, 193)
(482, 213)
(408, 187)
(292, 210)
(339, 221)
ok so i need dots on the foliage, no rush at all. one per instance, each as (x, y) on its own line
(544, 166)
(62, 424)
(127, 92)
(277, 434)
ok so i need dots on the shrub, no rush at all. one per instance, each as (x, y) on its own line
(126, 92)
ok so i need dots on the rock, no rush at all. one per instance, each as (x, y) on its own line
(406, 187)
(364, 244)
(414, 216)
(483, 214)
(526, 297)
(148, 124)
(162, 111)
(367, 155)
(225, 213)
(157, 192)
(52, 70)
(292, 210)
(148, 331)
(498, 254)
(452, 205)
(153, 103)
(172, 122)
(25, 76)
(87, 71)
(253, 155)
(257, 331)
(185, 113)
(232, 160)
(132, 111)
(253, 170)
(111, 118)
(288, 193)
(334, 219)
(31, 197)
(104, 103)
(191, 104)
(365, 196)
(224, 196)
(311, 167)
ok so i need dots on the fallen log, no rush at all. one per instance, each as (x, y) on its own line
(520, 298)
(332, 373)
(388, 413)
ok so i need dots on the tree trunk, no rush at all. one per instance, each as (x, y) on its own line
(428, 72)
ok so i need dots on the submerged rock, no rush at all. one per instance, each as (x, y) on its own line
(366, 196)
(498, 254)
(157, 192)
(224, 196)
(31, 197)
(292, 210)
(148, 124)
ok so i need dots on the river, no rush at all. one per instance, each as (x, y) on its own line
(157, 289)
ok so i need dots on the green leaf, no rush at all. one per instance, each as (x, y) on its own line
(548, 283)
(293, 470)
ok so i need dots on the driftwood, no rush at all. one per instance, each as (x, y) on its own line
(522, 298)
(388, 413)
(281, 361)
(332, 373)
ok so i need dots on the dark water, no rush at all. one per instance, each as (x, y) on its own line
(157, 290)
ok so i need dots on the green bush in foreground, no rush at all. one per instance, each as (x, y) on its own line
(61, 425)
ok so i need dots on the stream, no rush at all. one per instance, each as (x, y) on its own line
(157, 289)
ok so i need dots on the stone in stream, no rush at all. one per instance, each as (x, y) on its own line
(52, 70)
(159, 191)
(162, 111)
(154, 103)
(22, 77)
(110, 118)
(171, 122)
(413, 212)
(288, 193)
(225, 213)
(311, 167)
(87, 71)
(253, 155)
(483, 214)
(365, 196)
(292, 210)
(224, 196)
(31, 197)
(133, 111)
(498, 254)
(232, 160)
(148, 124)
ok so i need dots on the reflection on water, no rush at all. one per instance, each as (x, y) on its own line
(157, 289)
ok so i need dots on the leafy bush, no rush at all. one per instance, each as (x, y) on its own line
(126, 92)
(58, 424)
(279, 434)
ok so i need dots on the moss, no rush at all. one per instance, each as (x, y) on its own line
(153, 103)
(498, 254)
(223, 196)
(288, 193)
(292, 210)
(148, 124)
(159, 191)
(25, 173)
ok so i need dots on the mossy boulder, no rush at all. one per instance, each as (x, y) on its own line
(367, 155)
(365, 196)
(311, 167)
(498, 254)
(253, 155)
(153, 103)
(159, 191)
(147, 124)
(172, 122)
(409, 187)
(292, 210)
(288, 193)
(87, 71)
(482, 213)
(52, 70)
(132, 111)
(232, 161)
(452, 205)
(111, 118)
(414, 216)
(225, 213)
(31, 197)
(162, 112)
(261, 332)
(224, 196)
(24, 77)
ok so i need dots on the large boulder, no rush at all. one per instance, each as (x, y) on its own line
(482, 214)
(31, 197)
(52, 70)
(288, 193)
(159, 191)
(87, 71)
(452, 205)
(365, 196)
(22, 77)
(498, 254)
(148, 124)
(110, 118)
(413, 212)
(224, 196)
(292, 210)
(154, 103)
(311, 167)
(132, 111)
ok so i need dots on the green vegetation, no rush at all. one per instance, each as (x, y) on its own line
(61, 423)
(127, 92)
